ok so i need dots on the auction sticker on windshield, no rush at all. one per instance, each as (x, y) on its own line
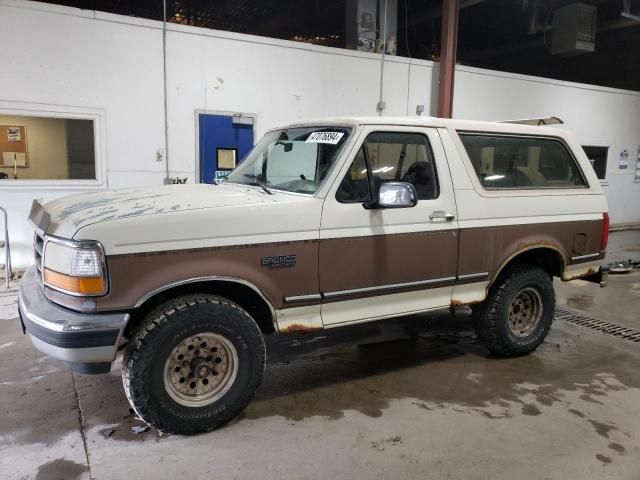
(324, 137)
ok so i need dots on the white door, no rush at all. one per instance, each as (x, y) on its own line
(376, 263)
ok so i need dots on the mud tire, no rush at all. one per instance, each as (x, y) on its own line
(491, 318)
(165, 327)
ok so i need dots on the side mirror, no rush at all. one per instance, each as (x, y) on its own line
(397, 195)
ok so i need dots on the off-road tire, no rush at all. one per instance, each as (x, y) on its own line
(491, 318)
(165, 327)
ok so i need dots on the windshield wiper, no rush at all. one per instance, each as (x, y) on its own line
(258, 182)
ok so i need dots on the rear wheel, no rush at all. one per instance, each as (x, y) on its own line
(193, 364)
(518, 312)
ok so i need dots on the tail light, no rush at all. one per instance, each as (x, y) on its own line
(605, 232)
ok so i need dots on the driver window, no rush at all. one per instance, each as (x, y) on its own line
(390, 156)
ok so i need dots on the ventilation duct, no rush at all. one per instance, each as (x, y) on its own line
(574, 30)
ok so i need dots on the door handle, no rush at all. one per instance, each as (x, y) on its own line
(441, 215)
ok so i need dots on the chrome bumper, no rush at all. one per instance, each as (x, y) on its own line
(88, 343)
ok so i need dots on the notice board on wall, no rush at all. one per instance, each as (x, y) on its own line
(13, 146)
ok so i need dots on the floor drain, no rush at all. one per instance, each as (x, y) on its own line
(593, 323)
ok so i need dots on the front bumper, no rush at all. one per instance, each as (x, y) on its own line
(88, 343)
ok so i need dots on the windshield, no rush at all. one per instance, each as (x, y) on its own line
(294, 159)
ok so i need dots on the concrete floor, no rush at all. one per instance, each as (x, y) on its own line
(616, 302)
(439, 407)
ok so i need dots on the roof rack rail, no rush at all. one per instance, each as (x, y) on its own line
(536, 121)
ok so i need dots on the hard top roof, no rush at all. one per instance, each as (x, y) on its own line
(414, 121)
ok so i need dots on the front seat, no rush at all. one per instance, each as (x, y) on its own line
(419, 175)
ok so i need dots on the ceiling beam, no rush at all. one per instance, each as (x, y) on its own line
(437, 12)
(450, 9)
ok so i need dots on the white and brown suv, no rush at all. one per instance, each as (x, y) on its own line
(325, 223)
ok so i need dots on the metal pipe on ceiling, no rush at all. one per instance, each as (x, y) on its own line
(381, 104)
(167, 180)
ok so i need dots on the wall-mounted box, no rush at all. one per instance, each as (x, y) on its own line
(574, 30)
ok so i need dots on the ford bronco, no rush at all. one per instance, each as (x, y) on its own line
(325, 223)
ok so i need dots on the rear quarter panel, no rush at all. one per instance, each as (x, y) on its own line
(497, 225)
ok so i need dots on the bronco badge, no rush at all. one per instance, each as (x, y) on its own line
(279, 261)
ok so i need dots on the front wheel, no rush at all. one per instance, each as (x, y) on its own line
(193, 364)
(518, 312)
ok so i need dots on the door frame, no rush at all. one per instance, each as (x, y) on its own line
(200, 111)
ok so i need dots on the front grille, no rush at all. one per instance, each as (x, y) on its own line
(38, 250)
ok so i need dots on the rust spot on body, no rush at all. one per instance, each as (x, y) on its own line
(523, 246)
(299, 328)
(455, 303)
(461, 303)
(588, 273)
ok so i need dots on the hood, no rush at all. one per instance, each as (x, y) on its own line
(69, 214)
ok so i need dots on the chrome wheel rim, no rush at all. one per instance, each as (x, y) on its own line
(525, 312)
(200, 369)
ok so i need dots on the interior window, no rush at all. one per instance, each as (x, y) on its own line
(521, 162)
(46, 148)
(390, 156)
(598, 158)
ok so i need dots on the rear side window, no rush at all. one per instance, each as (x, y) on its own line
(521, 162)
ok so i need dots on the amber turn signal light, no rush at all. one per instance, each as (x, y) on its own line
(79, 285)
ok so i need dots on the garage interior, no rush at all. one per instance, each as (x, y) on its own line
(514, 36)
(104, 94)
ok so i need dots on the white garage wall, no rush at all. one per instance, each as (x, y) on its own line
(279, 81)
(596, 115)
(109, 68)
(60, 61)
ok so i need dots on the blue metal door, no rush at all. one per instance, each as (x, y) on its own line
(224, 141)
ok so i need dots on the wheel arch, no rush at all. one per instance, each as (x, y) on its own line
(548, 257)
(239, 291)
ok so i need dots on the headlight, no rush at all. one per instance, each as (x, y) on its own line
(74, 268)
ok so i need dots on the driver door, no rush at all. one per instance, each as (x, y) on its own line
(377, 263)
